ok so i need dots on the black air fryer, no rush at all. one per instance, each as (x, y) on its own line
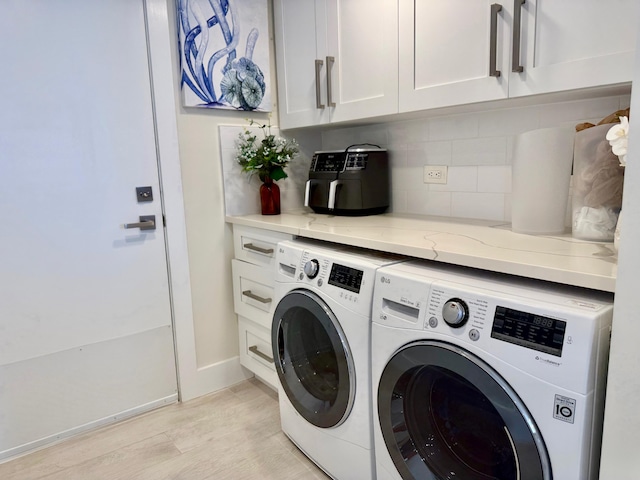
(349, 182)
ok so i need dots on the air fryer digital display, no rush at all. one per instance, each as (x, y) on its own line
(346, 277)
(529, 330)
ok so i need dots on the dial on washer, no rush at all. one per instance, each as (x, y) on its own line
(311, 268)
(455, 312)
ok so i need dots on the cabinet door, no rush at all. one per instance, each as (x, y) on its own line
(445, 53)
(573, 44)
(300, 34)
(362, 36)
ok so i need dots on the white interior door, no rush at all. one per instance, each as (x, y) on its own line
(85, 321)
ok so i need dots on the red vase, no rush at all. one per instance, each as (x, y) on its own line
(269, 197)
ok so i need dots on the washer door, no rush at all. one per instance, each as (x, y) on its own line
(312, 359)
(446, 414)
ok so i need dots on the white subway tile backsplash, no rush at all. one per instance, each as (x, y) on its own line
(457, 126)
(494, 179)
(479, 151)
(488, 206)
(408, 132)
(555, 114)
(407, 178)
(509, 121)
(429, 203)
(438, 153)
(398, 201)
(477, 148)
(459, 179)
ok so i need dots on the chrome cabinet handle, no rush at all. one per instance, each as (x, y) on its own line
(250, 294)
(147, 222)
(331, 204)
(330, 62)
(255, 248)
(493, 41)
(517, 24)
(264, 356)
(319, 104)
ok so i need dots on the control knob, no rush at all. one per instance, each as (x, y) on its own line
(311, 268)
(455, 312)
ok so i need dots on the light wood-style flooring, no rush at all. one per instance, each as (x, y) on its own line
(233, 434)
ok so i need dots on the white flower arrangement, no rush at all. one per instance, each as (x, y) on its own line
(618, 137)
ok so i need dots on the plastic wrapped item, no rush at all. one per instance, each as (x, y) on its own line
(597, 186)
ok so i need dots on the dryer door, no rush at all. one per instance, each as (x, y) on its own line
(313, 360)
(444, 413)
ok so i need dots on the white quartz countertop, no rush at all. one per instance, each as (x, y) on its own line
(480, 244)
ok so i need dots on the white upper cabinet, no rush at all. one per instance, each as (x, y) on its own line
(337, 60)
(447, 53)
(449, 49)
(570, 44)
(300, 55)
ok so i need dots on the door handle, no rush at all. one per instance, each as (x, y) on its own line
(147, 222)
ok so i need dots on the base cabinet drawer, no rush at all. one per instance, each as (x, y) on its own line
(255, 351)
(253, 292)
(257, 246)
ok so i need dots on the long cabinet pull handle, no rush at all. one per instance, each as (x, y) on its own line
(319, 104)
(330, 62)
(255, 248)
(264, 356)
(517, 24)
(493, 41)
(258, 298)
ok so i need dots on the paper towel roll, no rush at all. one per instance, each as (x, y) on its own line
(540, 183)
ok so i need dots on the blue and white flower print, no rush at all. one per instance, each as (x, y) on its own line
(214, 73)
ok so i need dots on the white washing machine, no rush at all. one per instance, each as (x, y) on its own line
(321, 335)
(478, 376)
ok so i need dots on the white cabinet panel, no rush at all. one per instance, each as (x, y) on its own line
(445, 53)
(255, 351)
(253, 292)
(254, 271)
(362, 37)
(574, 44)
(337, 60)
(300, 40)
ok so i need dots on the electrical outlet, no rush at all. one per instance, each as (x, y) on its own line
(435, 174)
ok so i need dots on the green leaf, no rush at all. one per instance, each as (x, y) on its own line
(277, 174)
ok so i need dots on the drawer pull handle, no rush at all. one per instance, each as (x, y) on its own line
(250, 294)
(251, 246)
(319, 104)
(264, 356)
(517, 25)
(493, 40)
(330, 102)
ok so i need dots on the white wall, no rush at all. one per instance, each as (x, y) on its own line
(209, 237)
(620, 459)
(476, 147)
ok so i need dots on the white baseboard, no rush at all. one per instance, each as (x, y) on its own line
(214, 377)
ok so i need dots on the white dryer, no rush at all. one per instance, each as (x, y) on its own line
(321, 336)
(478, 376)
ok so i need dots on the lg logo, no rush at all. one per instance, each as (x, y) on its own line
(385, 280)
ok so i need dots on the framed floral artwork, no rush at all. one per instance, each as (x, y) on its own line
(224, 54)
